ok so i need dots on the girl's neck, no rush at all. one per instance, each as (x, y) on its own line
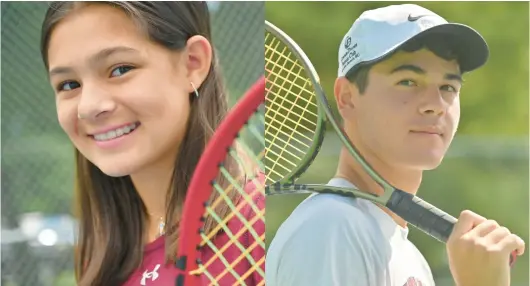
(152, 185)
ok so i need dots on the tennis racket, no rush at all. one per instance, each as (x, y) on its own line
(229, 176)
(296, 116)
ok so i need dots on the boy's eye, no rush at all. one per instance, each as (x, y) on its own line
(407, 82)
(449, 88)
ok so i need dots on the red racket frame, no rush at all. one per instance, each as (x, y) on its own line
(207, 170)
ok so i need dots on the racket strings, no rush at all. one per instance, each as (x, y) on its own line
(287, 57)
(245, 250)
(277, 113)
(295, 151)
(291, 78)
(232, 191)
(257, 133)
(282, 165)
(292, 82)
(291, 111)
(276, 121)
(291, 155)
(290, 91)
(235, 185)
(236, 210)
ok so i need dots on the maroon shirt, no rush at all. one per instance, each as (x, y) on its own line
(153, 271)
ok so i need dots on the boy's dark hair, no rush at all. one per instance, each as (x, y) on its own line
(436, 43)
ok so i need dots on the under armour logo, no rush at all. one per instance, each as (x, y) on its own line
(153, 275)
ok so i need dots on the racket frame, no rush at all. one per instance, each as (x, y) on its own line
(320, 129)
(288, 188)
(325, 115)
(201, 184)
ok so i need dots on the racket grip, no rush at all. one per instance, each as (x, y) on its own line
(425, 216)
(422, 215)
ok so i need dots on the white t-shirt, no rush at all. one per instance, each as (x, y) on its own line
(330, 240)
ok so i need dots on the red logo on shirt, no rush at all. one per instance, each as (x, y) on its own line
(413, 282)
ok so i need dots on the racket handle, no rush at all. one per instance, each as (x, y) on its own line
(422, 215)
(425, 216)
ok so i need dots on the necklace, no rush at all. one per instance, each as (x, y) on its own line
(161, 227)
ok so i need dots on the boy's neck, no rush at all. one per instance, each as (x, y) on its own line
(405, 180)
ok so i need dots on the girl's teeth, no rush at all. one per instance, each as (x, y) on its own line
(115, 133)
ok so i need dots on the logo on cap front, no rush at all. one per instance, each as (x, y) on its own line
(414, 18)
(347, 44)
(350, 54)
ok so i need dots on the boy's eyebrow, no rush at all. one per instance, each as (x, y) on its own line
(408, 67)
(419, 70)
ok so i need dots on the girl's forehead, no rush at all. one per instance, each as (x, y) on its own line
(87, 32)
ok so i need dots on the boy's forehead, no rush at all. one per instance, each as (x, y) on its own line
(422, 58)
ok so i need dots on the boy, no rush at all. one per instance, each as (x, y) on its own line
(399, 79)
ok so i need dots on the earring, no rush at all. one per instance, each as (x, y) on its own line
(79, 116)
(194, 89)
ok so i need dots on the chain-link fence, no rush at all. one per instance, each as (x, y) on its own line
(37, 161)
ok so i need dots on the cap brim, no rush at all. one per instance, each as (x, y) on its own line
(471, 48)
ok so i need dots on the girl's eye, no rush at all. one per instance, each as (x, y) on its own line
(407, 82)
(68, 85)
(121, 70)
(71, 85)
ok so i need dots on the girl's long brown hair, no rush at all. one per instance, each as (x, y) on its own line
(111, 214)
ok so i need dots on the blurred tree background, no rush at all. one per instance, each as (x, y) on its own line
(486, 169)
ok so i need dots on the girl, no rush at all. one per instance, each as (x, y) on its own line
(139, 95)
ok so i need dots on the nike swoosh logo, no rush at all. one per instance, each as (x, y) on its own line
(412, 19)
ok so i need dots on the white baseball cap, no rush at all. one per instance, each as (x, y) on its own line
(379, 32)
